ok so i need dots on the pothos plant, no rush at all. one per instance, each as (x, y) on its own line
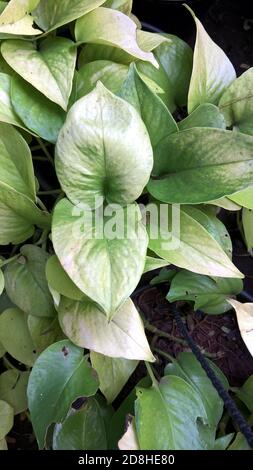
(130, 122)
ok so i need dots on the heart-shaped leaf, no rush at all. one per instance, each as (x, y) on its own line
(92, 161)
(105, 278)
(49, 69)
(83, 429)
(244, 198)
(44, 331)
(60, 376)
(209, 295)
(22, 27)
(1, 282)
(59, 280)
(113, 28)
(212, 70)
(161, 411)
(155, 115)
(122, 5)
(205, 115)
(188, 368)
(26, 283)
(112, 76)
(154, 263)
(183, 241)
(113, 373)
(6, 419)
(244, 313)
(41, 116)
(122, 337)
(226, 164)
(15, 336)
(7, 112)
(17, 9)
(51, 14)
(237, 103)
(247, 222)
(146, 41)
(13, 385)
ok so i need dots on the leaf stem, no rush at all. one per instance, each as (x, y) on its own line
(45, 150)
(51, 192)
(165, 354)
(42, 205)
(151, 374)
(7, 261)
(163, 334)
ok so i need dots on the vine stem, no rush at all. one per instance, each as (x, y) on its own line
(163, 334)
(7, 261)
(41, 204)
(45, 150)
(151, 374)
(166, 355)
(51, 192)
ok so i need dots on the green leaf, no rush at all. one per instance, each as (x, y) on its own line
(59, 280)
(122, 5)
(244, 314)
(112, 76)
(247, 222)
(190, 246)
(16, 162)
(113, 28)
(22, 27)
(209, 295)
(26, 283)
(165, 276)
(161, 412)
(212, 70)
(3, 444)
(244, 198)
(226, 203)
(174, 57)
(123, 337)
(41, 116)
(146, 41)
(7, 112)
(188, 368)
(15, 10)
(18, 212)
(212, 224)
(226, 164)
(60, 376)
(116, 260)
(2, 351)
(102, 147)
(129, 440)
(155, 115)
(245, 393)
(205, 115)
(82, 430)
(15, 336)
(237, 103)
(51, 68)
(44, 331)
(239, 443)
(1, 282)
(6, 419)
(154, 263)
(113, 373)
(51, 14)
(13, 385)
(118, 420)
